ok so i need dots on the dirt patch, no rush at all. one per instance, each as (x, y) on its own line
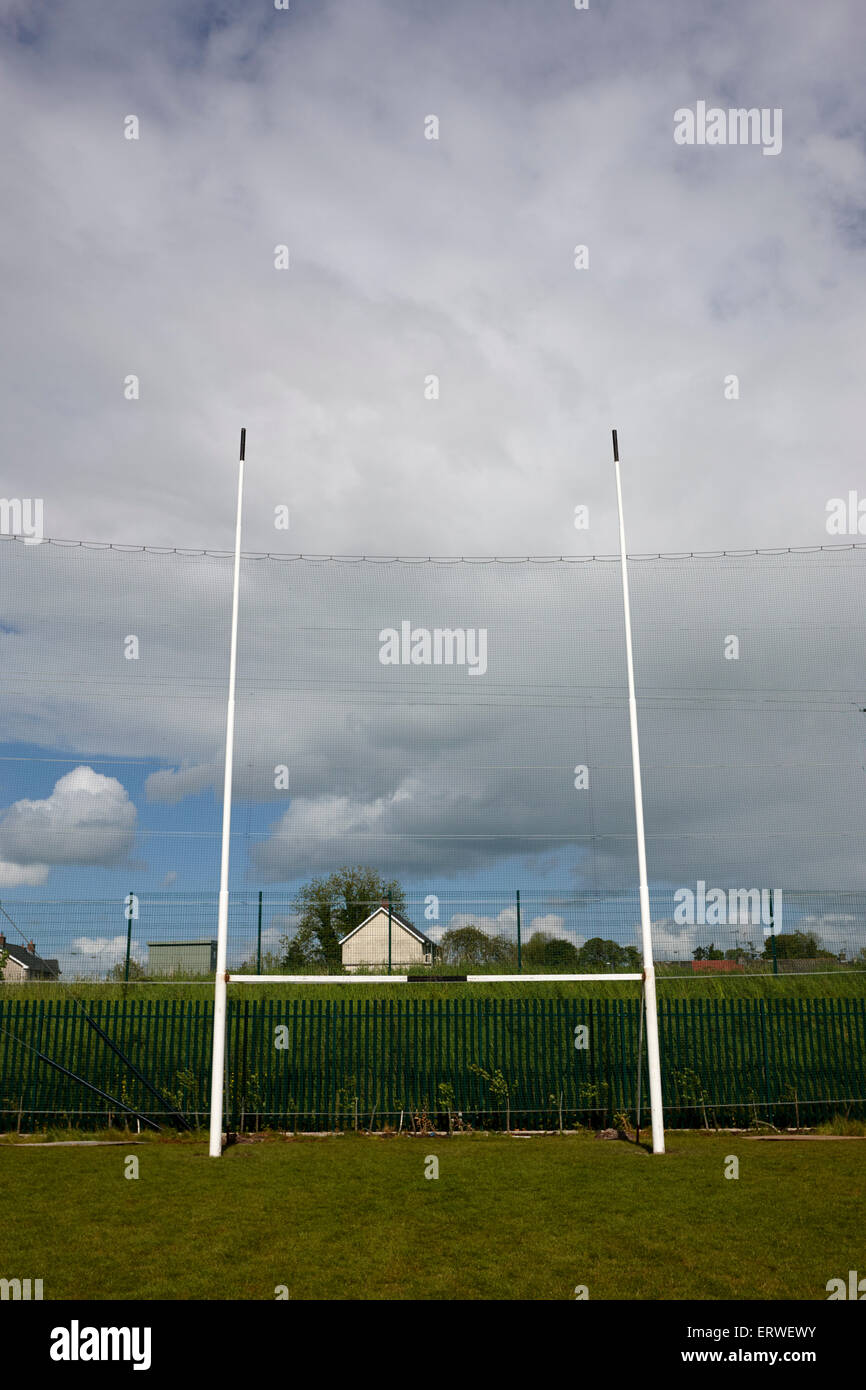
(805, 1138)
(76, 1144)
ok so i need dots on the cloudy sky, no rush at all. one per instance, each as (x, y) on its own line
(436, 372)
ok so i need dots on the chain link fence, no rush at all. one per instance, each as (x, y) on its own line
(696, 931)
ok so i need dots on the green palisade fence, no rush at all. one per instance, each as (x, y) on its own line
(363, 1061)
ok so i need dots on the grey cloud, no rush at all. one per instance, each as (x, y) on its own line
(414, 256)
(171, 785)
(453, 257)
(751, 768)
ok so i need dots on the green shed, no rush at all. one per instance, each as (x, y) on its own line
(177, 957)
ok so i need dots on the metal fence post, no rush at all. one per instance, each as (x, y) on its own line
(259, 938)
(128, 936)
(519, 957)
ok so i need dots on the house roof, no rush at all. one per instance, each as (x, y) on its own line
(30, 960)
(395, 917)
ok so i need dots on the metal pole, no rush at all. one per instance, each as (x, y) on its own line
(652, 1022)
(519, 957)
(773, 934)
(218, 1056)
(639, 1063)
(259, 938)
(389, 933)
(128, 937)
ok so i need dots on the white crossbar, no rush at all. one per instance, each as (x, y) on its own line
(550, 979)
(404, 979)
(318, 979)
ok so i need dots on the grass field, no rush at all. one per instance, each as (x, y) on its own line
(353, 1217)
(834, 984)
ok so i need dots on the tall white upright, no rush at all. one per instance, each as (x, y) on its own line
(652, 1022)
(218, 1055)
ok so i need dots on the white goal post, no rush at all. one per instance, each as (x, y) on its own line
(224, 978)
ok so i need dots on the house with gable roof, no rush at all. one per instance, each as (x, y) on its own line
(367, 944)
(23, 964)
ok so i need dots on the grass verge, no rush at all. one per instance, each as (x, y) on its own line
(354, 1217)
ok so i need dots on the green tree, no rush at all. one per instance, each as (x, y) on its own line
(329, 908)
(272, 964)
(710, 952)
(548, 954)
(632, 958)
(741, 953)
(118, 971)
(598, 954)
(534, 949)
(469, 945)
(561, 955)
(296, 958)
(797, 945)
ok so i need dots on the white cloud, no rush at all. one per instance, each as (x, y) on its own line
(271, 935)
(313, 832)
(673, 942)
(554, 926)
(505, 924)
(107, 948)
(815, 922)
(95, 955)
(17, 875)
(87, 819)
(281, 925)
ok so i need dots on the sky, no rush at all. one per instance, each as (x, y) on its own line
(435, 372)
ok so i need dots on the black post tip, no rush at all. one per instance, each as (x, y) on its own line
(615, 447)
(243, 444)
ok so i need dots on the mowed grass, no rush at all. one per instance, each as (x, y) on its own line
(835, 983)
(353, 1217)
